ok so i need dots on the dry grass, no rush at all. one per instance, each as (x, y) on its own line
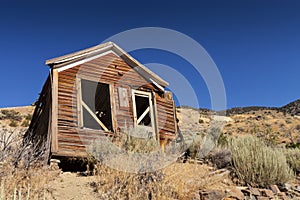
(132, 154)
(176, 181)
(132, 168)
(18, 183)
(20, 176)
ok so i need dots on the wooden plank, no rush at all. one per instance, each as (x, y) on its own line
(94, 116)
(123, 98)
(113, 107)
(72, 147)
(134, 107)
(155, 116)
(105, 78)
(70, 95)
(54, 146)
(64, 123)
(66, 91)
(65, 78)
(70, 153)
(79, 100)
(175, 118)
(67, 95)
(166, 115)
(67, 85)
(143, 115)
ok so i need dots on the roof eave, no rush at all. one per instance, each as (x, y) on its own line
(80, 55)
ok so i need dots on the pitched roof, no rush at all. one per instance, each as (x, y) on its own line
(68, 59)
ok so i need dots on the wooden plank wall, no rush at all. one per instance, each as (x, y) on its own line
(108, 69)
(39, 126)
(166, 117)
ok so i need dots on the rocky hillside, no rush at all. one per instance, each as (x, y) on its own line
(277, 125)
(16, 116)
(292, 108)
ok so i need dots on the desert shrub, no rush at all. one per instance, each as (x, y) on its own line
(257, 164)
(223, 140)
(293, 158)
(228, 125)
(220, 157)
(195, 146)
(25, 123)
(13, 123)
(140, 145)
(271, 136)
(137, 140)
(289, 120)
(210, 141)
(203, 144)
(292, 145)
(28, 117)
(11, 114)
(241, 129)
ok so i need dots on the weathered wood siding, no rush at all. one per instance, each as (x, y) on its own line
(39, 129)
(109, 69)
(166, 116)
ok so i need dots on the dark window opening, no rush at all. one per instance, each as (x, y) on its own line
(143, 110)
(96, 109)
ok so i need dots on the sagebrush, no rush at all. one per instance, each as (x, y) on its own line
(257, 164)
(293, 158)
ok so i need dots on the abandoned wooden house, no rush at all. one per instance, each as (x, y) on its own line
(101, 90)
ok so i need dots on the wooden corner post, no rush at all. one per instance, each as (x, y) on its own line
(54, 110)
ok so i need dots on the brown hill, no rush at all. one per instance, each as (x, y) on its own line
(292, 108)
(276, 125)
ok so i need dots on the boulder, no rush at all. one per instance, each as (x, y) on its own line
(255, 191)
(211, 195)
(237, 194)
(267, 193)
(274, 189)
(262, 198)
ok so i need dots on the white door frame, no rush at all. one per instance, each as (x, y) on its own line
(149, 109)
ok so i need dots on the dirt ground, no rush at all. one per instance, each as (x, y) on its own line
(72, 186)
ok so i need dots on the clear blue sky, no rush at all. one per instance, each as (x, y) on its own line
(255, 44)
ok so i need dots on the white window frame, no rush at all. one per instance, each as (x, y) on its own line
(81, 105)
